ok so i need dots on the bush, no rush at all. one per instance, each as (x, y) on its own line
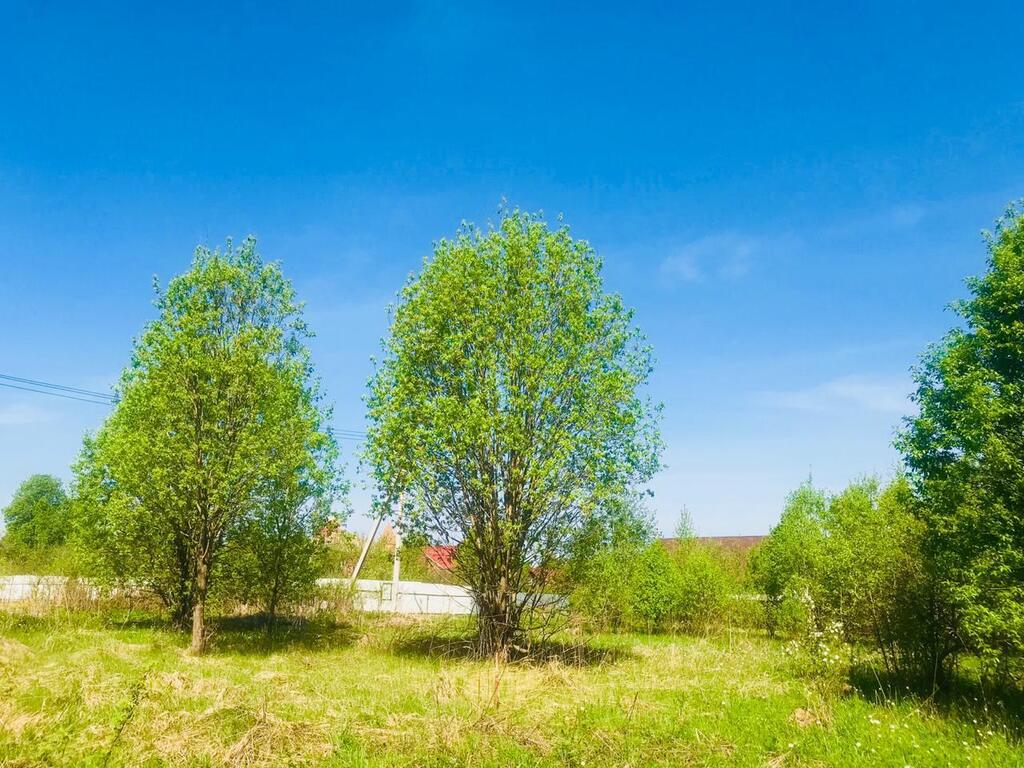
(60, 560)
(646, 587)
(654, 589)
(599, 570)
(273, 560)
(877, 579)
(855, 563)
(706, 588)
(601, 596)
(789, 560)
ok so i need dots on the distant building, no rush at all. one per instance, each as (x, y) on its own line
(387, 538)
(440, 558)
(740, 545)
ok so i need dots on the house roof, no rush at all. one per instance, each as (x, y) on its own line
(441, 557)
(734, 543)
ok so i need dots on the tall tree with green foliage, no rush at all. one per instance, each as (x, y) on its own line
(219, 429)
(509, 406)
(790, 558)
(965, 452)
(37, 518)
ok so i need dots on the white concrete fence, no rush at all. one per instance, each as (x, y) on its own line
(45, 589)
(372, 596)
(414, 597)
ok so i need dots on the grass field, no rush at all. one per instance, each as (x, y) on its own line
(93, 691)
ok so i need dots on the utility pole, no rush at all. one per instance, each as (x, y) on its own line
(366, 548)
(396, 566)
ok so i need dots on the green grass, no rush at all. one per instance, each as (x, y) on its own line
(91, 690)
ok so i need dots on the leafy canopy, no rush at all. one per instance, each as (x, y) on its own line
(37, 515)
(219, 435)
(965, 450)
(509, 400)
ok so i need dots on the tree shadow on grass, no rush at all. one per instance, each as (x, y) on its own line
(253, 636)
(245, 635)
(65, 619)
(434, 645)
(966, 698)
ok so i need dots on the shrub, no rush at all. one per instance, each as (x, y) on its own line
(602, 595)
(705, 587)
(821, 653)
(857, 561)
(599, 570)
(654, 589)
(790, 558)
(274, 559)
(878, 581)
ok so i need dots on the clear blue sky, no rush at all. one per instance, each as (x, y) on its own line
(789, 196)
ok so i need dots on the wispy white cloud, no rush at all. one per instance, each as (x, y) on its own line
(723, 256)
(867, 393)
(733, 255)
(885, 221)
(683, 267)
(16, 414)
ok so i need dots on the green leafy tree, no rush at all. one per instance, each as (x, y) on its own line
(705, 585)
(684, 530)
(655, 588)
(219, 436)
(789, 560)
(965, 452)
(599, 568)
(37, 516)
(876, 580)
(508, 406)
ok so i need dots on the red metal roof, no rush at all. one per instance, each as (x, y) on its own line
(441, 557)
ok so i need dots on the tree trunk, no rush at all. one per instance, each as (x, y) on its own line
(181, 613)
(498, 620)
(272, 611)
(199, 611)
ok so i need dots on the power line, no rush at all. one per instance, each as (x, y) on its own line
(56, 394)
(62, 387)
(99, 398)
